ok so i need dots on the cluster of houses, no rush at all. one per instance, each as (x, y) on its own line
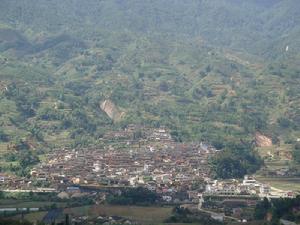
(12, 182)
(147, 133)
(248, 186)
(136, 137)
(157, 162)
(60, 216)
(163, 171)
(105, 220)
(138, 156)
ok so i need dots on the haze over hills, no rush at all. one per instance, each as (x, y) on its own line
(254, 26)
(219, 71)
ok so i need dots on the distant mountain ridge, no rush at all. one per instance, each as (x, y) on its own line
(254, 26)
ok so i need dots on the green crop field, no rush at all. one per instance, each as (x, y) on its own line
(145, 215)
(10, 203)
(32, 217)
(287, 184)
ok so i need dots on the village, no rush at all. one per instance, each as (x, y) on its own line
(148, 158)
(138, 156)
(155, 162)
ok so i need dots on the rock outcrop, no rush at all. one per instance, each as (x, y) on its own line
(262, 140)
(112, 110)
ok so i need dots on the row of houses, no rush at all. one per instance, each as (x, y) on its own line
(248, 186)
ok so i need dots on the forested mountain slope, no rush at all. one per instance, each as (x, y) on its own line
(212, 70)
(249, 25)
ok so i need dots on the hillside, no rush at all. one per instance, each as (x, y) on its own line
(217, 71)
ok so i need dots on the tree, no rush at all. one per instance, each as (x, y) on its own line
(296, 152)
(134, 196)
(3, 136)
(1, 195)
(261, 209)
(163, 86)
(284, 122)
(28, 159)
(237, 160)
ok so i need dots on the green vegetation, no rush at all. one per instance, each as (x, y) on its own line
(296, 152)
(141, 214)
(278, 209)
(182, 215)
(210, 71)
(44, 201)
(282, 183)
(236, 161)
(261, 209)
(13, 222)
(133, 196)
(23, 161)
